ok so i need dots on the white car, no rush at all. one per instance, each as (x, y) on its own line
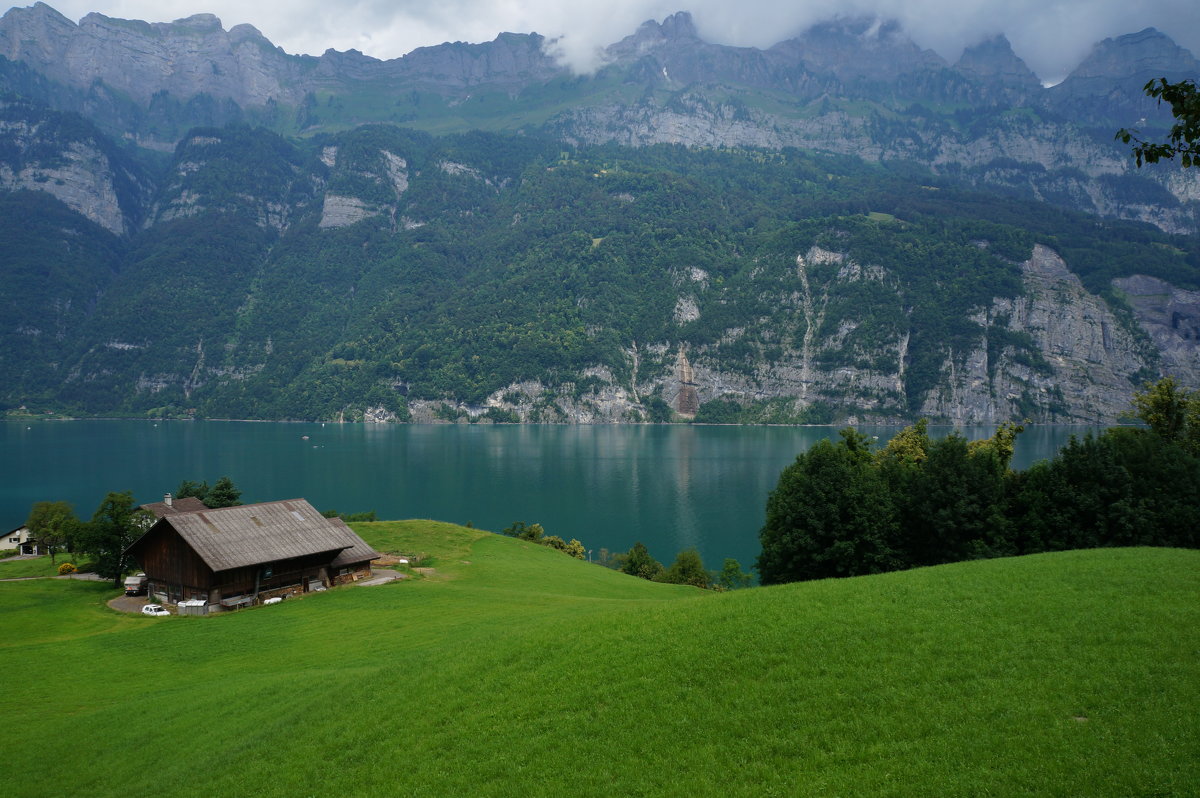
(155, 609)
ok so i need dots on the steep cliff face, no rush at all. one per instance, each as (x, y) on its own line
(66, 158)
(494, 277)
(854, 86)
(185, 57)
(1081, 366)
(1171, 317)
(1058, 353)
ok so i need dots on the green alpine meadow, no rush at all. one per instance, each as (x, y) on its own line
(501, 667)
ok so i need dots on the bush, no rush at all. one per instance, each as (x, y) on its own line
(66, 568)
(688, 569)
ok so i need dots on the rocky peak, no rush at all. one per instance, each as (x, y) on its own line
(679, 26)
(199, 22)
(1108, 83)
(993, 61)
(510, 59)
(863, 47)
(1136, 54)
(186, 57)
(651, 36)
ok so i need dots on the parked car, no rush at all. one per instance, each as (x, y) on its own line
(135, 585)
(155, 609)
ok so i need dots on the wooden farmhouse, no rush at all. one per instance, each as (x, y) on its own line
(238, 556)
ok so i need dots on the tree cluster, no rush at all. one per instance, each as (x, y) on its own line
(223, 493)
(687, 569)
(845, 509)
(534, 533)
(115, 525)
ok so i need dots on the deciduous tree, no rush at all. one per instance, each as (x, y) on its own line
(53, 525)
(1171, 412)
(831, 514)
(732, 576)
(117, 523)
(1184, 137)
(638, 562)
(688, 569)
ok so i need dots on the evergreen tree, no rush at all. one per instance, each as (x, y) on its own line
(223, 494)
(192, 490)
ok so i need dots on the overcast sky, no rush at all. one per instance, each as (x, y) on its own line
(1051, 35)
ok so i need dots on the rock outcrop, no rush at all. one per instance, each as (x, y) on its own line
(855, 86)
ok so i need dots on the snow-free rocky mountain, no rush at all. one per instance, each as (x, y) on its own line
(334, 265)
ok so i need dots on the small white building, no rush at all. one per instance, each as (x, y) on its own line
(19, 539)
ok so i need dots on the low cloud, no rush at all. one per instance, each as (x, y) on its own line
(1052, 36)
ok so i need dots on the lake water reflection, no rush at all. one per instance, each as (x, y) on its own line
(669, 486)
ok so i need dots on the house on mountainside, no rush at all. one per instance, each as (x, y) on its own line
(237, 556)
(19, 539)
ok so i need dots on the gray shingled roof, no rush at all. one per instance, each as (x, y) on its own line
(188, 504)
(235, 537)
(358, 552)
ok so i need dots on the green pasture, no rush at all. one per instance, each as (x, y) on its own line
(37, 566)
(512, 669)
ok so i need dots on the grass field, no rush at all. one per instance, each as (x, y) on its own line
(38, 566)
(515, 670)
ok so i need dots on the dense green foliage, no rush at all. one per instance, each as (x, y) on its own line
(535, 533)
(511, 670)
(54, 526)
(482, 261)
(115, 525)
(1184, 137)
(223, 493)
(843, 510)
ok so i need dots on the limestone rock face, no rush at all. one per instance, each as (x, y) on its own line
(1087, 356)
(185, 57)
(75, 167)
(993, 59)
(1171, 317)
(828, 89)
(387, 171)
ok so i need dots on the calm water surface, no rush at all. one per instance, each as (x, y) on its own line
(669, 486)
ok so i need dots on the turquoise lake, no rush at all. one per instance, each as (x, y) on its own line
(670, 487)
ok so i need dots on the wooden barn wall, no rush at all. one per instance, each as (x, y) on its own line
(168, 559)
(352, 573)
(240, 581)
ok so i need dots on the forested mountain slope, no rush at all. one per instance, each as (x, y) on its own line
(384, 272)
(840, 227)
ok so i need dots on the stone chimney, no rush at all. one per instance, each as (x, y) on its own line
(167, 500)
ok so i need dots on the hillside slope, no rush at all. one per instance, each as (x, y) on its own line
(516, 670)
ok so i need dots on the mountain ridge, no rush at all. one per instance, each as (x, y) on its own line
(841, 227)
(852, 86)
